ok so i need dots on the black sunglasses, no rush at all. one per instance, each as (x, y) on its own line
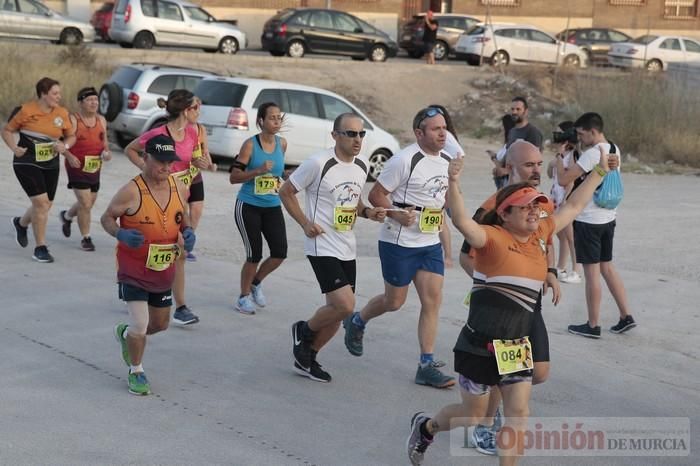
(353, 134)
(428, 113)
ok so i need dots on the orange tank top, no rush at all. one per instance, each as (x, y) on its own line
(151, 267)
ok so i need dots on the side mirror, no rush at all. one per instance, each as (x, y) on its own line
(48, 13)
(210, 19)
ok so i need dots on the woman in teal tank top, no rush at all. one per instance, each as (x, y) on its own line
(258, 212)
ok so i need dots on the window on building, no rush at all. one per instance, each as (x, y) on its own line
(628, 2)
(501, 2)
(680, 9)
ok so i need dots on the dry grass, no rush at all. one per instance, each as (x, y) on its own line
(74, 69)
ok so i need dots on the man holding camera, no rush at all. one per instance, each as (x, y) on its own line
(594, 229)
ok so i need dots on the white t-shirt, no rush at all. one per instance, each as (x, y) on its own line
(558, 191)
(452, 146)
(414, 178)
(592, 213)
(329, 183)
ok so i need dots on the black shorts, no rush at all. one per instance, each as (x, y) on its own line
(196, 191)
(428, 47)
(253, 223)
(332, 273)
(482, 369)
(539, 338)
(593, 242)
(93, 187)
(134, 293)
(36, 181)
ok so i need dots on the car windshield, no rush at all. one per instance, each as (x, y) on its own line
(198, 13)
(220, 93)
(106, 8)
(366, 27)
(283, 15)
(476, 30)
(644, 40)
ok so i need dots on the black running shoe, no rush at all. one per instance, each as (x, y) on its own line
(585, 330)
(183, 315)
(315, 372)
(42, 254)
(301, 347)
(21, 233)
(623, 325)
(86, 244)
(65, 223)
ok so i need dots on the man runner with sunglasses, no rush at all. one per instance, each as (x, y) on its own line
(412, 186)
(332, 182)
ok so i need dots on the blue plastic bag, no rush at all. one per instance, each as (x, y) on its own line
(610, 192)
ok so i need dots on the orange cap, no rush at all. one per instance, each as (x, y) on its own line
(522, 197)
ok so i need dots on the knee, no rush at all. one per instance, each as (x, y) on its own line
(158, 326)
(86, 204)
(344, 308)
(42, 206)
(517, 412)
(393, 303)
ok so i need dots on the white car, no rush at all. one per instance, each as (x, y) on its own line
(654, 53)
(501, 44)
(229, 109)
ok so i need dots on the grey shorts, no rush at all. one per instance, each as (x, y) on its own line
(479, 389)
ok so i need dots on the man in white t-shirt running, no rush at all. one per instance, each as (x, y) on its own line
(412, 187)
(332, 182)
(594, 229)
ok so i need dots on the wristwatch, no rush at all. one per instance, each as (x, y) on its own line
(553, 271)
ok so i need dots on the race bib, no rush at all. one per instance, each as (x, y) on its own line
(513, 355)
(44, 151)
(194, 171)
(344, 218)
(92, 163)
(185, 176)
(267, 184)
(430, 220)
(161, 256)
(197, 152)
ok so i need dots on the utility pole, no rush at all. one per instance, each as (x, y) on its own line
(328, 3)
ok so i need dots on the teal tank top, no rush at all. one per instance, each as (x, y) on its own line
(258, 158)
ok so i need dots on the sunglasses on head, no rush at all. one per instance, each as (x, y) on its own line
(428, 113)
(353, 134)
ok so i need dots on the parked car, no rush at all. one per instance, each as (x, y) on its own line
(145, 23)
(296, 32)
(101, 20)
(128, 100)
(501, 44)
(450, 27)
(229, 107)
(31, 19)
(654, 53)
(594, 41)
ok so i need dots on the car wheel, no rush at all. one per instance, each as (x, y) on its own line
(111, 101)
(228, 45)
(144, 40)
(378, 53)
(71, 36)
(572, 61)
(123, 139)
(654, 65)
(296, 49)
(377, 162)
(441, 50)
(500, 58)
(415, 54)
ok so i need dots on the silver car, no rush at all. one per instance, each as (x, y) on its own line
(145, 23)
(33, 20)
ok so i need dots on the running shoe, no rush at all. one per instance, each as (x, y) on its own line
(258, 296)
(138, 384)
(315, 372)
(483, 438)
(86, 244)
(245, 305)
(65, 223)
(119, 335)
(585, 330)
(42, 254)
(191, 257)
(184, 316)
(623, 325)
(21, 233)
(301, 348)
(498, 420)
(571, 277)
(417, 443)
(353, 336)
(433, 377)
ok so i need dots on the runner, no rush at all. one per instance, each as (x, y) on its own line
(511, 254)
(149, 219)
(260, 167)
(524, 163)
(413, 185)
(196, 199)
(41, 124)
(332, 183)
(84, 164)
(183, 111)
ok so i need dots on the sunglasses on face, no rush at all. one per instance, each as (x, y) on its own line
(428, 113)
(353, 134)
